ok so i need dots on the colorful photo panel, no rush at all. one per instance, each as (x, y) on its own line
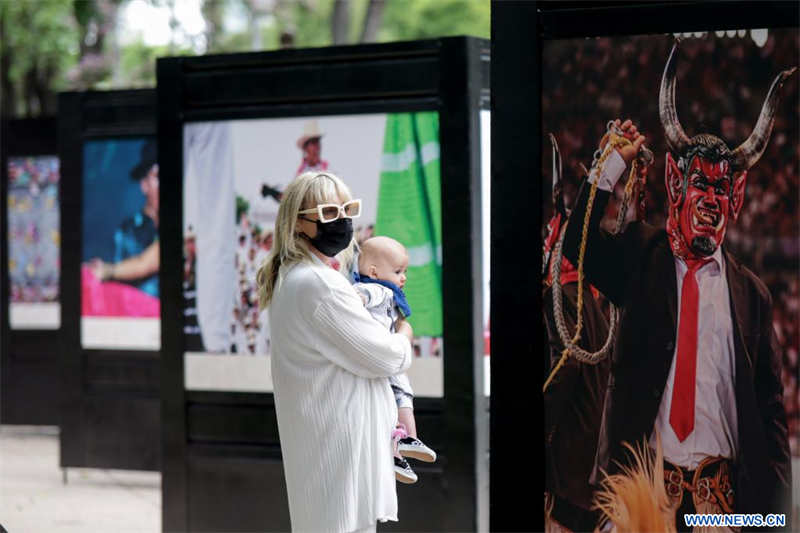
(34, 236)
(234, 175)
(120, 307)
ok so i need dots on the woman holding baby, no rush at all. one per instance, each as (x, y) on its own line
(331, 363)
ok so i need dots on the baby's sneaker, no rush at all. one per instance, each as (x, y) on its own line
(416, 449)
(403, 472)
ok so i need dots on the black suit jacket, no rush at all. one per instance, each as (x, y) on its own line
(573, 402)
(636, 271)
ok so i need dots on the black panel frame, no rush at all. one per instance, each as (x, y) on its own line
(110, 399)
(29, 374)
(518, 31)
(448, 75)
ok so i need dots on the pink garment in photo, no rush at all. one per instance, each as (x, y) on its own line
(111, 298)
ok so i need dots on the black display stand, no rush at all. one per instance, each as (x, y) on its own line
(29, 374)
(109, 398)
(516, 460)
(519, 28)
(222, 466)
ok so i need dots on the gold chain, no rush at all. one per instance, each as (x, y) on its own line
(614, 142)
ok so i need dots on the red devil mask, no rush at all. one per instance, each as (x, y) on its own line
(704, 195)
(706, 186)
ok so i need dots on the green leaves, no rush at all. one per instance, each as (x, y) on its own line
(52, 45)
(426, 19)
(41, 41)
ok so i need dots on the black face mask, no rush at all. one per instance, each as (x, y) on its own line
(332, 237)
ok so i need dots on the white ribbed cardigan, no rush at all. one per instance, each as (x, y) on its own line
(330, 365)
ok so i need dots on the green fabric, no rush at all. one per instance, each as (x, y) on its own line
(410, 211)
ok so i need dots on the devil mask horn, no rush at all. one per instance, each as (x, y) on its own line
(748, 153)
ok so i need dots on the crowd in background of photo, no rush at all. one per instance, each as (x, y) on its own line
(721, 84)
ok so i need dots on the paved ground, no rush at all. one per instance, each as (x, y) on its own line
(34, 499)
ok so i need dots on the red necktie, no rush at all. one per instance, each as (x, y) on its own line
(681, 412)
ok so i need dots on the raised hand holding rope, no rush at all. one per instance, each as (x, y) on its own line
(617, 137)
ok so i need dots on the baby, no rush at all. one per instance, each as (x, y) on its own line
(382, 266)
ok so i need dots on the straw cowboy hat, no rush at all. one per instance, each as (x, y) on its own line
(310, 131)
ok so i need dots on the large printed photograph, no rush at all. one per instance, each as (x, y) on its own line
(234, 175)
(671, 277)
(34, 242)
(120, 306)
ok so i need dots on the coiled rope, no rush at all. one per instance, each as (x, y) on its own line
(570, 343)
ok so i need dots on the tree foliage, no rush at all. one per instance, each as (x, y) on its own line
(52, 45)
(97, 23)
(38, 44)
(137, 63)
(426, 19)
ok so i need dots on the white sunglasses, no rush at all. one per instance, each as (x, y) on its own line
(330, 212)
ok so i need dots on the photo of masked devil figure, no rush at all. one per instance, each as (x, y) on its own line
(694, 363)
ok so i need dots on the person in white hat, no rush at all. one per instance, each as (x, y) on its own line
(310, 144)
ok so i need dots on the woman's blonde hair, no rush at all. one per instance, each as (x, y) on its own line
(306, 191)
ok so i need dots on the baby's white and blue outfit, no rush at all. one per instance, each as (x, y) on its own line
(381, 303)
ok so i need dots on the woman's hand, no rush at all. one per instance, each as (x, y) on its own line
(403, 327)
(629, 151)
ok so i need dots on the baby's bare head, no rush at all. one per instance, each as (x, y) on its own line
(383, 258)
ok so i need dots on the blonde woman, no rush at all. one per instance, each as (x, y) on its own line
(330, 365)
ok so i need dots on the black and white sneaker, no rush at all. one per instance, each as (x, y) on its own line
(416, 449)
(403, 472)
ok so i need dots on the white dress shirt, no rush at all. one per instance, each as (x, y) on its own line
(613, 167)
(330, 364)
(715, 418)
